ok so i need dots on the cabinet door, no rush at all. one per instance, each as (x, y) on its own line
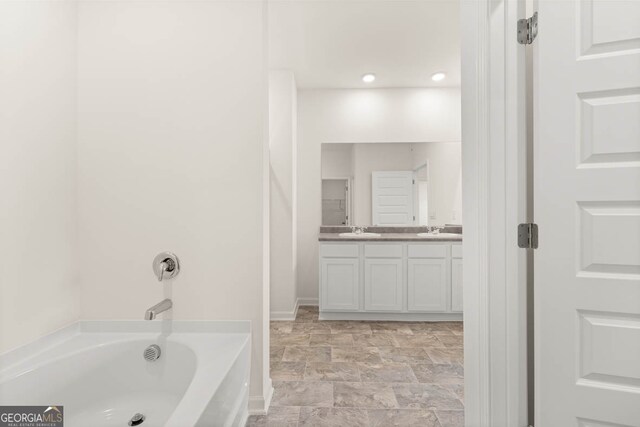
(383, 284)
(339, 284)
(456, 285)
(428, 284)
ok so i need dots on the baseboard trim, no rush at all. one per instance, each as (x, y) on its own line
(259, 405)
(291, 315)
(282, 315)
(308, 301)
(394, 317)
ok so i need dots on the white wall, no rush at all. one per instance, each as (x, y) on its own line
(337, 160)
(38, 281)
(172, 113)
(444, 180)
(359, 115)
(283, 144)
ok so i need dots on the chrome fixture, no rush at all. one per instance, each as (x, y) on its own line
(358, 230)
(160, 307)
(137, 419)
(152, 353)
(166, 266)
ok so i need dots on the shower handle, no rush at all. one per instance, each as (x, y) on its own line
(166, 266)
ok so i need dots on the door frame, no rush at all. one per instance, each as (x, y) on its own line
(416, 192)
(349, 197)
(494, 202)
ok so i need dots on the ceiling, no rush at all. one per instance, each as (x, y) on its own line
(332, 43)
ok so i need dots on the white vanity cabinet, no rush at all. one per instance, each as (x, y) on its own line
(429, 277)
(340, 277)
(391, 280)
(456, 278)
(383, 277)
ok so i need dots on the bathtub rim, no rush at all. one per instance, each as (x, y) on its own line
(202, 387)
(20, 354)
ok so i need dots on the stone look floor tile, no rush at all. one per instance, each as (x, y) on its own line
(306, 319)
(363, 395)
(445, 355)
(391, 327)
(430, 328)
(386, 373)
(287, 371)
(439, 373)
(302, 393)
(280, 340)
(402, 418)
(451, 340)
(350, 328)
(310, 328)
(354, 373)
(374, 340)
(278, 416)
(333, 417)
(306, 354)
(419, 340)
(404, 355)
(457, 389)
(455, 326)
(331, 371)
(355, 354)
(307, 314)
(281, 327)
(451, 418)
(275, 353)
(341, 340)
(426, 396)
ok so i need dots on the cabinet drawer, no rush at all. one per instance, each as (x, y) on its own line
(456, 251)
(339, 251)
(383, 251)
(428, 251)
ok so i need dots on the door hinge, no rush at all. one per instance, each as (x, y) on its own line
(528, 29)
(528, 235)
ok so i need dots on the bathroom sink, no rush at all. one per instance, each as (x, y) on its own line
(363, 235)
(443, 235)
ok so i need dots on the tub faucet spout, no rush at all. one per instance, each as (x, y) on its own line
(160, 307)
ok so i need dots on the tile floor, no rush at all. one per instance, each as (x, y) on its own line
(348, 373)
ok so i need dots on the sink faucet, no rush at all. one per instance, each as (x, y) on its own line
(358, 230)
(160, 307)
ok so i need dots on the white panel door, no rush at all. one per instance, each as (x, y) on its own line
(456, 285)
(339, 283)
(383, 284)
(392, 198)
(427, 284)
(587, 205)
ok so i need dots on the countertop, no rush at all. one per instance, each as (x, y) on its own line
(392, 237)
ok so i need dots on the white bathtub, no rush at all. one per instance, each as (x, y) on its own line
(97, 371)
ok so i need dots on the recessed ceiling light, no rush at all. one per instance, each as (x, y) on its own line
(438, 76)
(368, 78)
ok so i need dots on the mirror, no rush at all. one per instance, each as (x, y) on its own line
(391, 184)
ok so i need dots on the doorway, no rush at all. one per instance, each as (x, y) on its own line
(375, 334)
(336, 201)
